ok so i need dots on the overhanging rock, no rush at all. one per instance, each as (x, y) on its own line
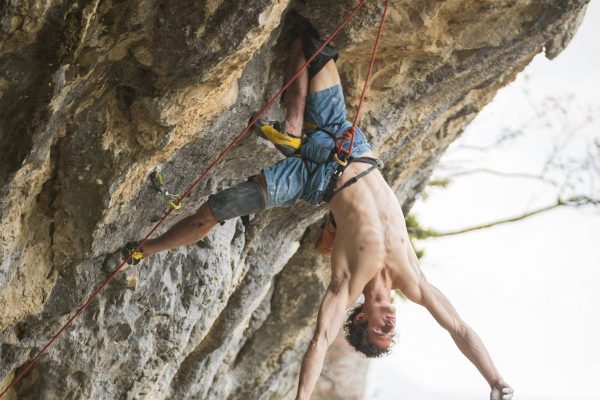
(95, 93)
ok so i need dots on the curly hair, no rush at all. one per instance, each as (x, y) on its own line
(356, 335)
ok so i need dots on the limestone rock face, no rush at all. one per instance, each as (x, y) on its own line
(94, 94)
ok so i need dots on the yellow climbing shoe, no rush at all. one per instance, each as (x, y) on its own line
(274, 133)
(132, 253)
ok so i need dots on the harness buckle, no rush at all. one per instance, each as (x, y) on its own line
(343, 162)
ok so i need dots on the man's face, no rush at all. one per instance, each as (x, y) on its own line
(381, 324)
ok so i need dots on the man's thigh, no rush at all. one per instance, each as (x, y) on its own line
(326, 108)
(285, 181)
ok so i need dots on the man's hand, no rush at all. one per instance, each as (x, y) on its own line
(501, 391)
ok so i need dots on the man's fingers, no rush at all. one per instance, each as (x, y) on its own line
(507, 397)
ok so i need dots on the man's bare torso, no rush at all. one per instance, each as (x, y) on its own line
(371, 233)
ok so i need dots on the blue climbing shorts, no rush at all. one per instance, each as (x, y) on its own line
(306, 178)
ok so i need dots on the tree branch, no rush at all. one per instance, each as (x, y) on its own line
(577, 201)
(501, 173)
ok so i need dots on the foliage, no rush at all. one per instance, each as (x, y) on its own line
(417, 231)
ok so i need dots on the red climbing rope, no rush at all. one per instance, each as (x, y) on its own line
(349, 134)
(195, 183)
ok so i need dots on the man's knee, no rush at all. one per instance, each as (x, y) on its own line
(242, 199)
(205, 216)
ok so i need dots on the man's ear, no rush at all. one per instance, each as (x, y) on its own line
(361, 316)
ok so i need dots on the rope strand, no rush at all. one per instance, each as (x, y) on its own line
(350, 133)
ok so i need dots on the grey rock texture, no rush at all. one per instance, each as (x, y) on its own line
(96, 93)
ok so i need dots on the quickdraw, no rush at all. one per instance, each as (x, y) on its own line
(158, 182)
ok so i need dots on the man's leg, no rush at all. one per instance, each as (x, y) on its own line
(187, 231)
(242, 199)
(195, 227)
(295, 95)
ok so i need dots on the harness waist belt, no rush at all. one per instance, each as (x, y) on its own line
(330, 190)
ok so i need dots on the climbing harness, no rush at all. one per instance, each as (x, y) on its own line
(158, 182)
(197, 181)
(330, 190)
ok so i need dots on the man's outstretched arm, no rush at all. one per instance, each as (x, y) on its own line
(463, 335)
(329, 321)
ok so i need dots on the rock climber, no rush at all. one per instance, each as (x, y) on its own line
(371, 253)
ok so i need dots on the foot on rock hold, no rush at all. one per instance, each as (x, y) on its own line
(132, 253)
(274, 132)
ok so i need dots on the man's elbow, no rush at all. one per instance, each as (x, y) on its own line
(337, 283)
(458, 329)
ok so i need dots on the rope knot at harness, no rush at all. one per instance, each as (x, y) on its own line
(342, 154)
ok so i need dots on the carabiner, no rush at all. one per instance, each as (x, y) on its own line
(342, 162)
(158, 182)
(176, 206)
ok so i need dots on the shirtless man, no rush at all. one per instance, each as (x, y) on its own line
(371, 254)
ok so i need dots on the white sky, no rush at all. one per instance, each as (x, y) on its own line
(530, 289)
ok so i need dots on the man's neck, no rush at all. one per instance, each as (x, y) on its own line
(379, 288)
